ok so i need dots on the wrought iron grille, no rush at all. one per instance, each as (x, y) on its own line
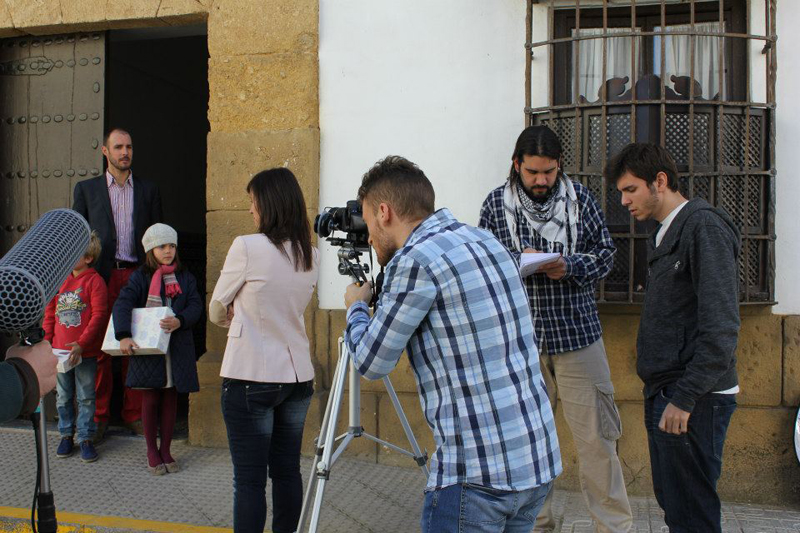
(723, 143)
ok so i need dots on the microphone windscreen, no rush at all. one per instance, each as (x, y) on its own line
(34, 269)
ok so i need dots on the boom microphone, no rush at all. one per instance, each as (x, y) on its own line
(34, 269)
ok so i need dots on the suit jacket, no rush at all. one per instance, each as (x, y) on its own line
(267, 339)
(91, 200)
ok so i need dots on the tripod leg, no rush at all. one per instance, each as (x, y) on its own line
(419, 457)
(319, 448)
(327, 440)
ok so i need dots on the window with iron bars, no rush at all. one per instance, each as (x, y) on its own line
(697, 77)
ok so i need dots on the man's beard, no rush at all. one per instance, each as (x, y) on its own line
(120, 166)
(540, 197)
(384, 248)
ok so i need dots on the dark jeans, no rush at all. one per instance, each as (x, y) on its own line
(686, 467)
(265, 430)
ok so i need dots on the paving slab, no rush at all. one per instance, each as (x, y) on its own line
(360, 497)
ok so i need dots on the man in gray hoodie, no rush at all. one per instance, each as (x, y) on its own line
(687, 335)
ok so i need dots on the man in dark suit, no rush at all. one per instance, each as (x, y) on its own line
(119, 209)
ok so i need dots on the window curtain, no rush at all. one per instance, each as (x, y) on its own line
(590, 61)
(678, 50)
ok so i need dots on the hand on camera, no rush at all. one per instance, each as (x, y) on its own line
(127, 346)
(44, 362)
(356, 293)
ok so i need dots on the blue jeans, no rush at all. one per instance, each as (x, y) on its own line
(265, 430)
(77, 382)
(474, 509)
(686, 467)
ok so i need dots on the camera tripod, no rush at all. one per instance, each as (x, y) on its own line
(325, 456)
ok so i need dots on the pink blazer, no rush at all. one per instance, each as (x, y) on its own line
(267, 339)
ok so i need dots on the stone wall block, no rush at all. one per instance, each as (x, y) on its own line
(390, 430)
(338, 320)
(235, 157)
(263, 92)
(83, 11)
(634, 454)
(322, 347)
(132, 9)
(208, 368)
(759, 464)
(206, 426)
(402, 378)
(33, 13)
(263, 26)
(182, 12)
(223, 227)
(619, 337)
(316, 411)
(759, 360)
(791, 361)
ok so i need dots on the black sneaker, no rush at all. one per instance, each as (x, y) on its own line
(88, 453)
(65, 448)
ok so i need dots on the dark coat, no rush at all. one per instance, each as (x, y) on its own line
(690, 320)
(150, 371)
(91, 200)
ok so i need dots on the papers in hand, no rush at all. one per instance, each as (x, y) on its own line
(530, 263)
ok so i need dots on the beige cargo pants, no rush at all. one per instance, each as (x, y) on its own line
(582, 380)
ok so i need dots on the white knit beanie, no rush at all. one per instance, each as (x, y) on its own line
(159, 235)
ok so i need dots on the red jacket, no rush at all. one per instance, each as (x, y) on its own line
(78, 313)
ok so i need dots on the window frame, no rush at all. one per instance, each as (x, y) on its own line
(730, 152)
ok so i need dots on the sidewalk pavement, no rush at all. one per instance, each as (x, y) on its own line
(117, 494)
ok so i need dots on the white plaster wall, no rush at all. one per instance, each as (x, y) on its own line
(787, 160)
(442, 84)
(439, 82)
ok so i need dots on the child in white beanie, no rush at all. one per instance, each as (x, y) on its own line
(161, 282)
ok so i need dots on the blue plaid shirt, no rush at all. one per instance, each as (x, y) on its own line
(452, 297)
(564, 312)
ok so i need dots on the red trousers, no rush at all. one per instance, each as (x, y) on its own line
(104, 382)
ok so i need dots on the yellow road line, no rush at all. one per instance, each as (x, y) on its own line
(114, 522)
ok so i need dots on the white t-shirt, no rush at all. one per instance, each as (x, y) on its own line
(665, 224)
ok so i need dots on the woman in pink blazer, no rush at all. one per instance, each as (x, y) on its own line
(262, 293)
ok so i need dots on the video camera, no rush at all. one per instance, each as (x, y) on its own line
(350, 221)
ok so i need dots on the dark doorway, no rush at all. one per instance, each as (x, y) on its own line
(157, 89)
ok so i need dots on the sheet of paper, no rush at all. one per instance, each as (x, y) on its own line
(530, 263)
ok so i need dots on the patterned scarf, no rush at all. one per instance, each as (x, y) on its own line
(171, 286)
(555, 220)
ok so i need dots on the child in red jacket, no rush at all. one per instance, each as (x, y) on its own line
(75, 320)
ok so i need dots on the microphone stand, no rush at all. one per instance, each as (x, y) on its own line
(43, 495)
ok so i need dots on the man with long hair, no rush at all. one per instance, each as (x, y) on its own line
(539, 209)
(453, 299)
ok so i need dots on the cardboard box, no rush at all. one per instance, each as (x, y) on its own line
(147, 332)
(63, 363)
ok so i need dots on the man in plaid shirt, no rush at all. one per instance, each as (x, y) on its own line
(540, 209)
(453, 299)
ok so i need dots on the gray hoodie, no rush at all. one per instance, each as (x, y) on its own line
(690, 320)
